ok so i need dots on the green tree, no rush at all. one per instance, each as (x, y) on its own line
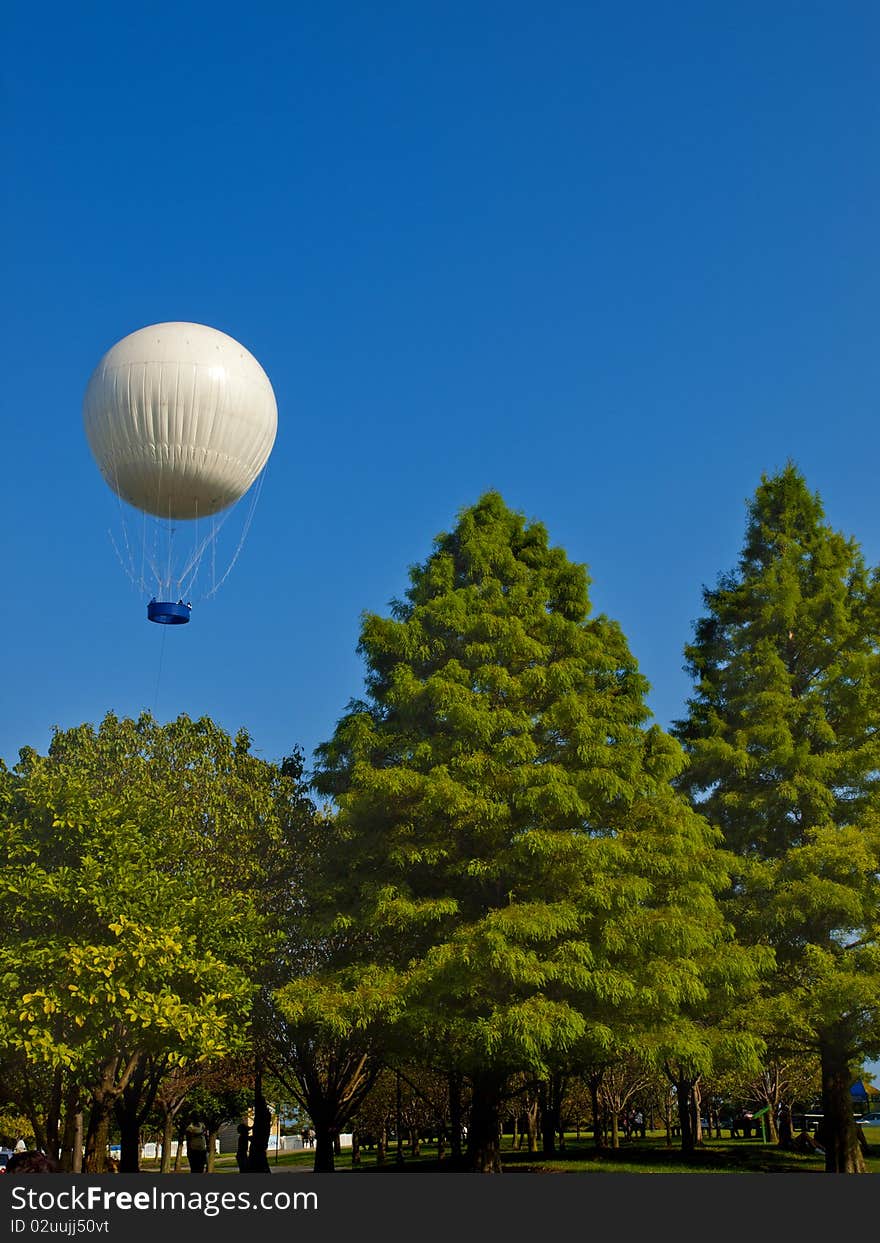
(142, 870)
(171, 1098)
(223, 1096)
(323, 1036)
(509, 851)
(783, 734)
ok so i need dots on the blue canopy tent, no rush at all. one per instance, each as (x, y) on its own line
(864, 1097)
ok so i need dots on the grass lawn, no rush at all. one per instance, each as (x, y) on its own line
(648, 1156)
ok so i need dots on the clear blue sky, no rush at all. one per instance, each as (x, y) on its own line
(614, 260)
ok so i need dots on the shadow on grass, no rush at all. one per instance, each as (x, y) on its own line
(658, 1159)
(715, 1157)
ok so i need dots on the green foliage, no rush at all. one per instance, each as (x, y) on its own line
(508, 849)
(13, 1127)
(136, 863)
(783, 738)
(217, 1107)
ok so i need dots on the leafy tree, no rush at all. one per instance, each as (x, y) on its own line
(715, 1036)
(779, 1086)
(623, 1084)
(412, 1102)
(171, 1097)
(523, 1111)
(509, 853)
(139, 867)
(577, 1105)
(321, 1045)
(15, 1127)
(783, 734)
(221, 1097)
(36, 1091)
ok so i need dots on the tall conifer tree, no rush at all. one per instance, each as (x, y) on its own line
(783, 733)
(510, 848)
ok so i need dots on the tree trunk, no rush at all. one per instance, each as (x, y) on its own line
(355, 1147)
(455, 1119)
(133, 1105)
(548, 1129)
(532, 1125)
(839, 1137)
(77, 1162)
(683, 1099)
(483, 1148)
(615, 1129)
(382, 1144)
(258, 1162)
(786, 1130)
(72, 1140)
(548, 1095)
(594, 1082)
(116, 1075)
(130, 1142)
(324, 1149)
(212, 1149)
(98, 1137)
(167, 1142)
(53, 1115)
(769, 1087)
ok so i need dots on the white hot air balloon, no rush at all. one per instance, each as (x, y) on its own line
(181, 420)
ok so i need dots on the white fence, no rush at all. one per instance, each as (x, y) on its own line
(293, 1143)
(289, 1143)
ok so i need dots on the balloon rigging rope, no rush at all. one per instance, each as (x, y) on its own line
(125, 568)
(195, 561)
(171, 531)
(129, 554)
(186, 568)
(244, 533)
(150, 557)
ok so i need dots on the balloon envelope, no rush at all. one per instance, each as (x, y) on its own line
(181, 419)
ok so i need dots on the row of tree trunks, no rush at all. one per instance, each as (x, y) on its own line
(131, 1095)
(126, 1090)
(550, 1094)
(687, 1096)
(525, 1127)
